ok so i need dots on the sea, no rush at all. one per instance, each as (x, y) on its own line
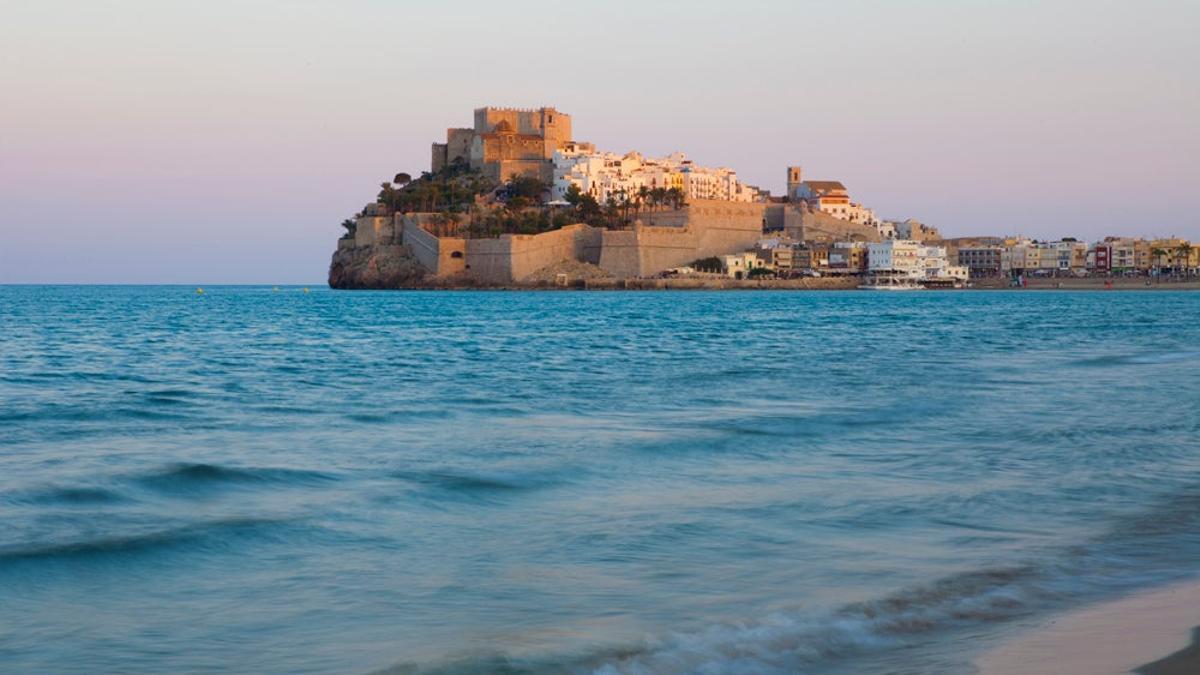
(286, 480)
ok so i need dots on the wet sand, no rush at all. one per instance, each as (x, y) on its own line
(1149, 633)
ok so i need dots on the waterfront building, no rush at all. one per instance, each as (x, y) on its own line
(1173, 254)
(849, 257)
(778, 253)
(739, 265)
(1024, 256)
(912, 260)
(811, 256)
(1100, 258)
(981, 261)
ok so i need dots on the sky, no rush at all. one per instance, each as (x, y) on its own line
(151, 141)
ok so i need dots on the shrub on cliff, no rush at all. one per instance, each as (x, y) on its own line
(451, 188)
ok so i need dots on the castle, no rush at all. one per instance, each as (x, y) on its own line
(507, 142)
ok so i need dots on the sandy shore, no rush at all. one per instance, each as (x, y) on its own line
(1150, 633)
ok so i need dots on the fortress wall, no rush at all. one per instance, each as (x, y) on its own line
(619, 253)
(773, 216)
(712, 228)
(424, 246)
(673, 218)
(588, 244)
(512, 257)
(490, 260)
(501, 170)
(793, 223)
(452, 256)
(372, 230)
(822, 227)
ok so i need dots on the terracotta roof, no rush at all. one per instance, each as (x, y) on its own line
(824, 185)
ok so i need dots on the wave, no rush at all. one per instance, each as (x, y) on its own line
(76, 414)
(1143, 359)
(68, 496)
(392, 416)
(784, 642)
(796, 641)
(133, 543)
(185, 476)
(475, 482)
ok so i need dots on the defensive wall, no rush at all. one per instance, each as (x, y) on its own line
(702, 229)
(513, 257)
(802, 223)
(657, 242)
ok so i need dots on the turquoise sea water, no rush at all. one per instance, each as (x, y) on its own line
(572, 482)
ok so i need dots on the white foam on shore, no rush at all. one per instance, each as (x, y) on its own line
(1110, 638)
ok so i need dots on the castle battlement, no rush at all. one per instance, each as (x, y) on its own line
(507, 142)
(538, 109)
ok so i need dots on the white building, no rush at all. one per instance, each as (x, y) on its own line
(609, 177)
(913, 261)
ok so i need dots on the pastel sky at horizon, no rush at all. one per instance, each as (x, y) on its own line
(222, 142)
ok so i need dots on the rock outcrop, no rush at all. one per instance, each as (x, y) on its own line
(375, 267)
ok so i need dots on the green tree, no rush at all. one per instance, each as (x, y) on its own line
(1182, 253)
(676, 197)
(589, 209)
(1158, 254)
(658, 196)
(526, 186)
(643, 196)
(574, 195)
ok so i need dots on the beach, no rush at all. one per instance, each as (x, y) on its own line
(1149, 633)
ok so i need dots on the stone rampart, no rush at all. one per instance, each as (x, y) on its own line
(702, 229)
(805, 224)
(513, 257)
(374, 231)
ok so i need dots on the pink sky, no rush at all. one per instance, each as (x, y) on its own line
(149, 142)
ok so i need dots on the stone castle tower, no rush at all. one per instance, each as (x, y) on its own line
(507, 141)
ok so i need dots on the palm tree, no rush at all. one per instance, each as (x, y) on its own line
(1182, 252)
(658, 196)
(1157, 254)
(676, 196)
